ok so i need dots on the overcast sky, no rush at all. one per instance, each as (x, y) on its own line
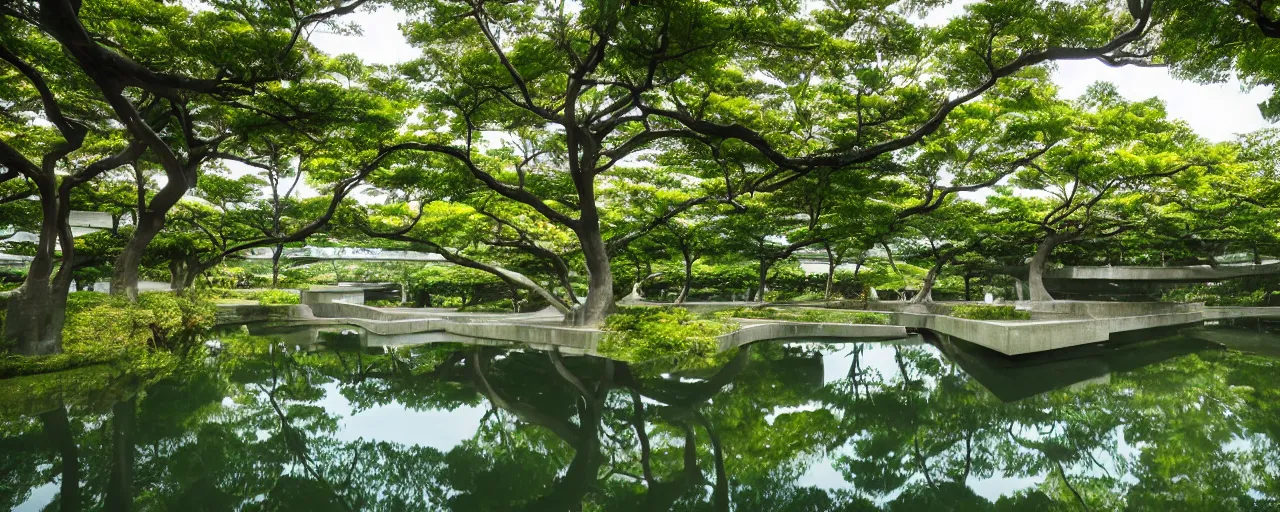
(1217, 112)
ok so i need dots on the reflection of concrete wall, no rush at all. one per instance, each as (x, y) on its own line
(229, 314)
(329, 294)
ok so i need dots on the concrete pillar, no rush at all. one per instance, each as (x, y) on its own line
(1017, 287)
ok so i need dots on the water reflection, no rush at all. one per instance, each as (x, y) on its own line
(1176, 423)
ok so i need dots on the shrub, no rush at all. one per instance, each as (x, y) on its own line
(100, 328)
(648, 334)
(974, 312)
(383, 303)
(503, 306)
(810, 315)
(1216, 295)
(270, 297)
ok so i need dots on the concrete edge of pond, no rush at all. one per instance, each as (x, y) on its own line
(1006, 337)
(524, 329)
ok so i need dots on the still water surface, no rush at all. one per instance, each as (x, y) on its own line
(1172, 421)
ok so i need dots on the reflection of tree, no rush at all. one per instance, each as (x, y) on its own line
(905, 427)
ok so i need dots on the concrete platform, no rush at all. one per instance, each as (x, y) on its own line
(541, 329)
(1195, 273)
(1030, 336)
(1070, 324)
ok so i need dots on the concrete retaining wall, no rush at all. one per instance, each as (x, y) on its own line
(1220, 312)
(1025, 337)
(1200, 273)
(1103, 309)
(331, 294)
(245, 313)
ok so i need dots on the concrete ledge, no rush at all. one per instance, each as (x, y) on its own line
(244, 313)
(330, 294)
(1105, 309)
(1198, 273)
(1221, 312)
(1006, 337)
(1025, 337)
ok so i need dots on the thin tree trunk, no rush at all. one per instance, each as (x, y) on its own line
(1035, 277)
(765, 264)
(967, 296)
(276, 252)
(831, 271)
(689, 259)
(926, 287)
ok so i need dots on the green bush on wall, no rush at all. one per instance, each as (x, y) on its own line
(272, 297)
(100, 328)
(644, 334)
(973, 312)
(809, 315)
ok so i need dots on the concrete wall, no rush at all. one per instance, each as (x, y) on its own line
(329, 294)
(229, 314)
(1025, 337)
(1199, 273)
(1107, 309)
(1220, 312)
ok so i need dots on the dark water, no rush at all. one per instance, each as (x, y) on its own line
(1164, 422)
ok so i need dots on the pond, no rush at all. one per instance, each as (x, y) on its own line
(1165, 421)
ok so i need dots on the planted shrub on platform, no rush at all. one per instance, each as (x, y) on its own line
(1006, 312)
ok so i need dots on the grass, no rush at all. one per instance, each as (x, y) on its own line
(809, 315)
(648, 334)
(974, 312)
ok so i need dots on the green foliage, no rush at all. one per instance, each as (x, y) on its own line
(501, 306)
(389, 303)
(644, 334)
(976, 312)
(98, 385)
(809, 315)
(149, 334)
(269, 297)
(1216, 295)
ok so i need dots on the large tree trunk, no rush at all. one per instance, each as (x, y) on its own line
(1035, 277)
(124, 277)
(926, 287)
(151, 218)
(599, 302)
(688, 276)
(36, 311)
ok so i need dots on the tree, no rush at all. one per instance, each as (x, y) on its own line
(943, 236)
(1212, 42)
(79, 71)
(1095, 183)
(594, 87)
